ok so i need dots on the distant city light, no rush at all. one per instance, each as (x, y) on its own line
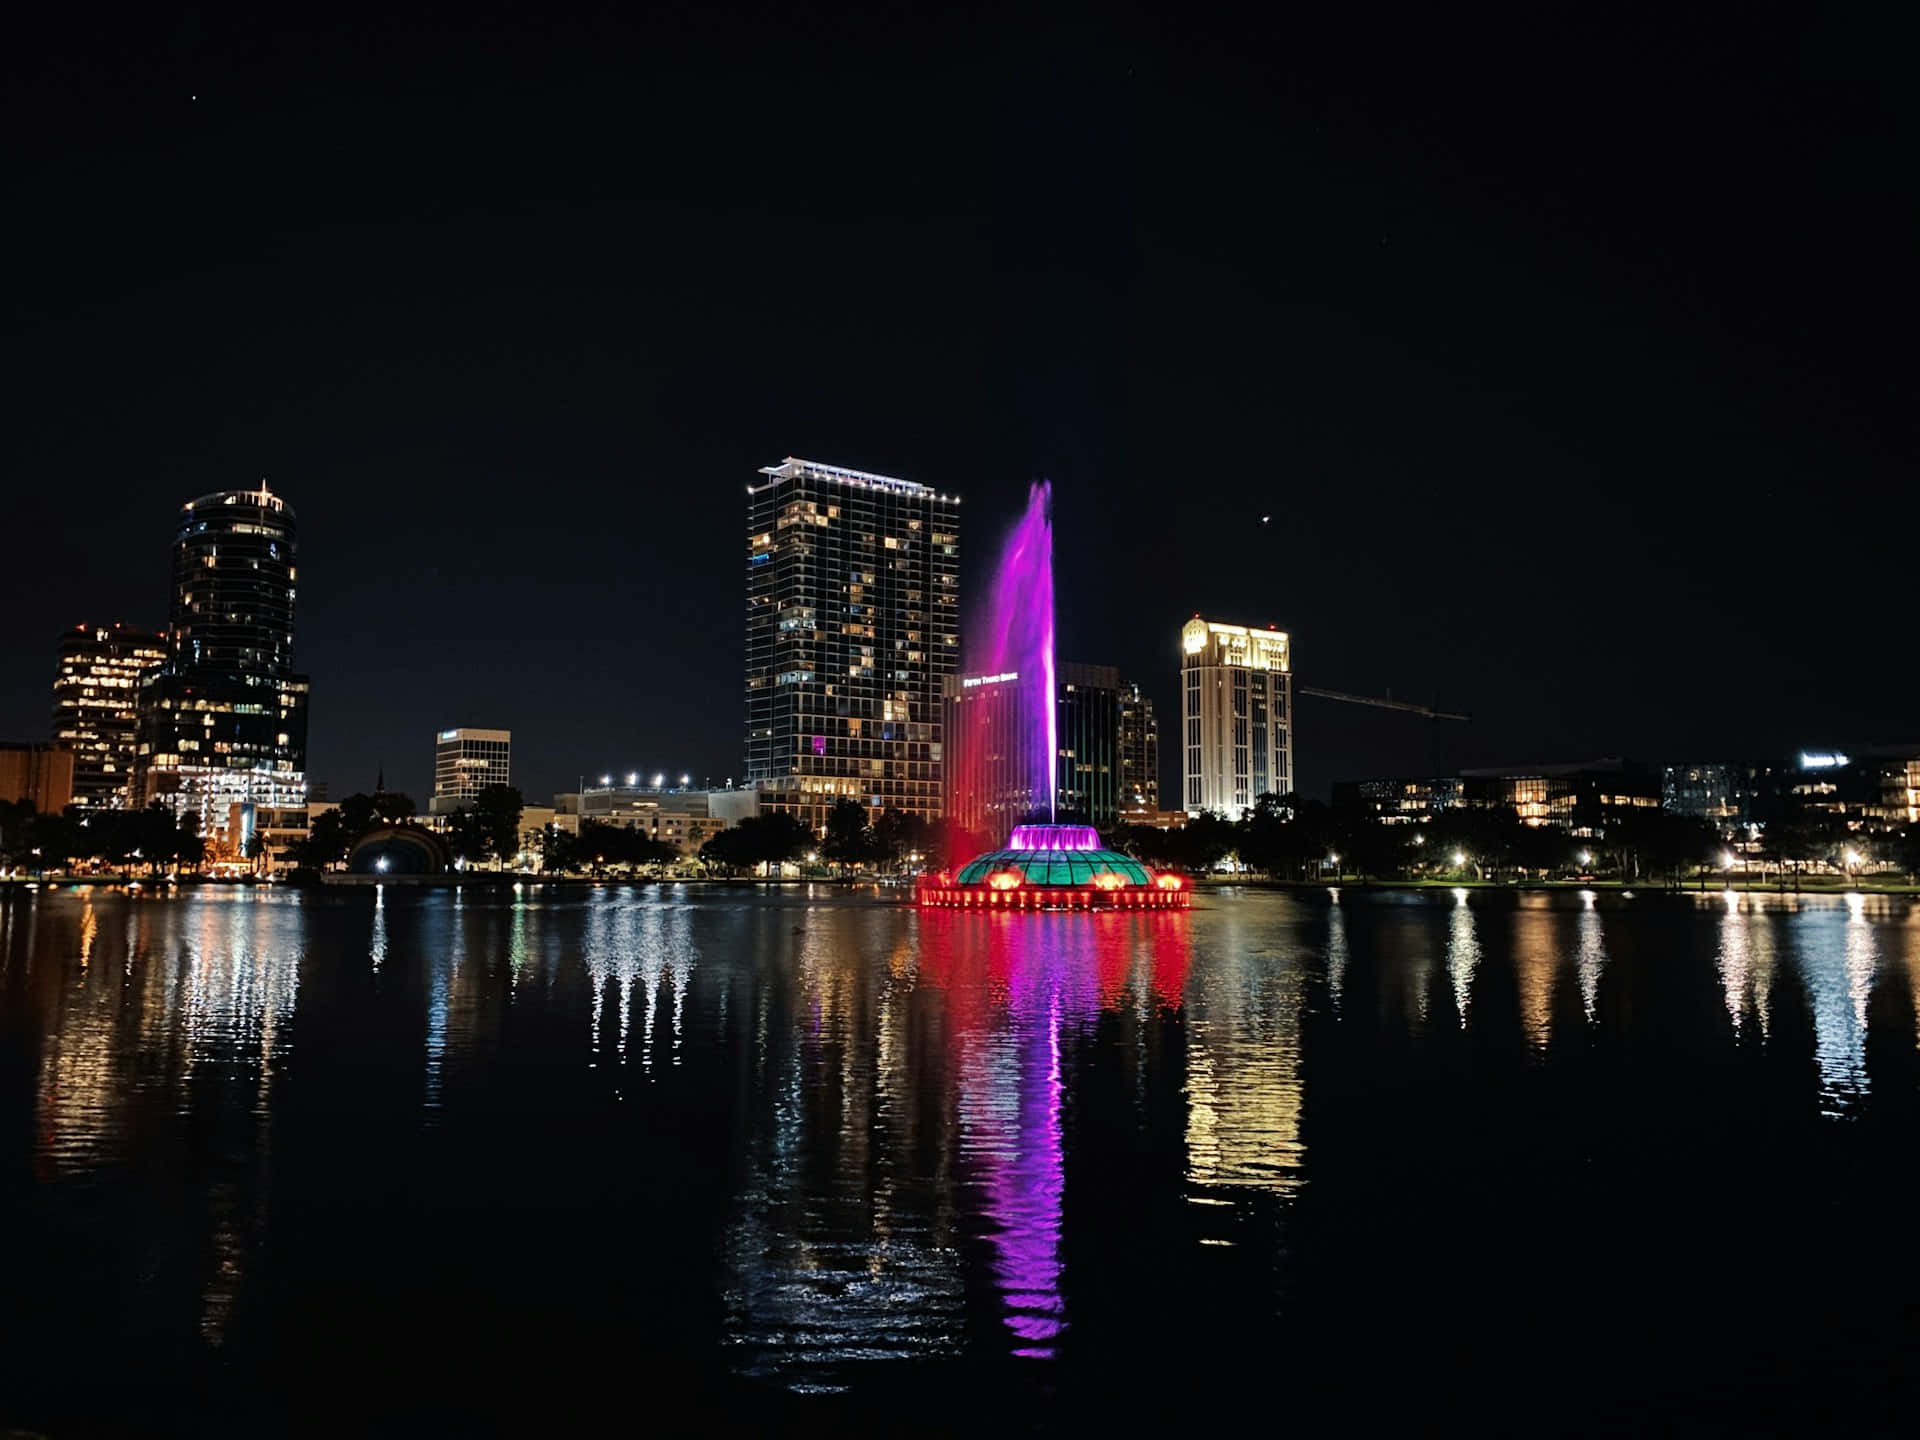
(686, 780)
(633, 778)
(658, 781)
(1821, 759)
(606, 779)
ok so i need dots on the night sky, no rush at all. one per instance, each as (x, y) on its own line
(1569, 348)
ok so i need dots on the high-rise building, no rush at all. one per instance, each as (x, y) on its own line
(853, 606)
(1087, 731)
(96, 707)
(1236, 688)
(994, 743)
(1139, 752)
(465, 762)
(993, 736)
(223, 719)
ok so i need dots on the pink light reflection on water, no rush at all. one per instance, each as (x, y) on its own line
(1014, 986)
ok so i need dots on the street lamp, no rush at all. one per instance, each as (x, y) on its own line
(1459, 858)
(1852, 857)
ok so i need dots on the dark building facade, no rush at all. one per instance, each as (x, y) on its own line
(223, 719)
(1087, 729)
(96, 707)
(853, 626)
(1139, 753)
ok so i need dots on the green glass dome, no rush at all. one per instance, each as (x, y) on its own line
(1054, 867)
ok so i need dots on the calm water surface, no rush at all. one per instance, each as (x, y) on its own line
(486, 1163)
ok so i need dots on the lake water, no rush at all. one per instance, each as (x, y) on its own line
(484, 1163)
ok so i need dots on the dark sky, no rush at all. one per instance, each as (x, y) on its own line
(1568, 346)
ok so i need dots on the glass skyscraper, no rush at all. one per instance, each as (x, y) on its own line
(223, 720)
(853, 622)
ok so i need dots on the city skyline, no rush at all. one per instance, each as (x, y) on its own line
(1434, 395)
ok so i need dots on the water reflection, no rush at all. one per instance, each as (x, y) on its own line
(1029, 1140)
(1463, 953)
(1591, 952)
(1243, 1082)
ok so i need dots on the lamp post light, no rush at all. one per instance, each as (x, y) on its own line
(1852, 858)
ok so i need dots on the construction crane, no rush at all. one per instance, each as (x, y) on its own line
(1388, 704)
(1431, 712)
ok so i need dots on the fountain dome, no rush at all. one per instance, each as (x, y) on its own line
(1055, 867)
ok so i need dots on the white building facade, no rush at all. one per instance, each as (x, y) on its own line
(1236, 708)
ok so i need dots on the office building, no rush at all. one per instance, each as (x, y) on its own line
(1408, 801)
(96, 707)
(465, 762)
(1139, 754)
(1087, 704)
(1585, 800)
(681, 817)
(991, 742)
(994, 742)
(1236, 687)
(853, 606)
(40, 775)
(1720, 793)
(223, 719)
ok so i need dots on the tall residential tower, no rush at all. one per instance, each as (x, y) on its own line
(1236, 689)
(223, 720)
(853, 622)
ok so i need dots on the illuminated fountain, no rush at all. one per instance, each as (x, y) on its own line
(1001, 753)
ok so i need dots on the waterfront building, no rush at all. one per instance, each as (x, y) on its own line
(223, 718)
(685, 818)
(1236, 687)
(1875, 789)
(853, 596)
(96, 707)
(41, 775)
(465, 762)
(1139, 754)
(1087, 702)
(1718, 792)
(1583, 799)
(1400, 801)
